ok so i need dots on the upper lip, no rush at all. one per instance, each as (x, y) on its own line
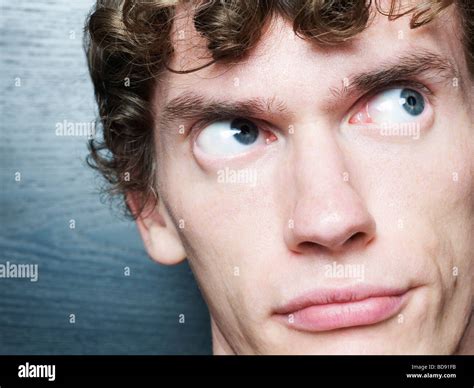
(327, 296)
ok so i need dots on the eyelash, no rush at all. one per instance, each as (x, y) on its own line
(418, 86)
(198, 126)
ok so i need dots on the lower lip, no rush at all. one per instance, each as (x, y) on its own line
(333, 316)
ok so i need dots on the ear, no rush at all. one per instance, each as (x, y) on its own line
(158, 232)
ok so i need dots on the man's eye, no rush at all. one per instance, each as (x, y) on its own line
(231, 137)
(391, 106)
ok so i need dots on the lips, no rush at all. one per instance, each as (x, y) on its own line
(330, 309)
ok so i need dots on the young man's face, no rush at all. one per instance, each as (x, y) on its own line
(338, 218)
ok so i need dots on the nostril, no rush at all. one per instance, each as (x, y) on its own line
(356, 237)
(353, 240)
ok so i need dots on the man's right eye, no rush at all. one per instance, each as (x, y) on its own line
(230, 138)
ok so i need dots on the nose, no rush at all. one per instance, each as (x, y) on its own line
(333, 221)
(327, 212)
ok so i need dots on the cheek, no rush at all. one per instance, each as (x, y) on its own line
(229, 226)
(232, 238)
(448, 176)
(229, 219)
(422, 198)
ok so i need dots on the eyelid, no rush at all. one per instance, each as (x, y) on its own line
(202, 123)
(420, 87)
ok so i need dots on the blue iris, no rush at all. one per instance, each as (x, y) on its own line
(414, 103)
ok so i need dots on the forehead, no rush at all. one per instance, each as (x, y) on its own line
(283, 61)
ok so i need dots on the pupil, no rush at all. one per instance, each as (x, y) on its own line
(411, 101)
(246, 131)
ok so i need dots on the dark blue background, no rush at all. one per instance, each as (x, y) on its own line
(44, 81)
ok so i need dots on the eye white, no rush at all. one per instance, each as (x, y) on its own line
(396, 106)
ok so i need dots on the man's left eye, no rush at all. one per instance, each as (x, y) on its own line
(391, 106)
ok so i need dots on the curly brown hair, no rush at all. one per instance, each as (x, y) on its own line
(129, 45)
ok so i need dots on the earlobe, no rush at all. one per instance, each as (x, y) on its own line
(158, 233)
(164, 245)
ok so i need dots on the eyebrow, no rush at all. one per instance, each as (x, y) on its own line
(192, 105)
(404, 68)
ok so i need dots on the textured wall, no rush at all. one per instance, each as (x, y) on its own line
(44, 184)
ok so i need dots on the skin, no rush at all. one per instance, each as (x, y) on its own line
(410, 202)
